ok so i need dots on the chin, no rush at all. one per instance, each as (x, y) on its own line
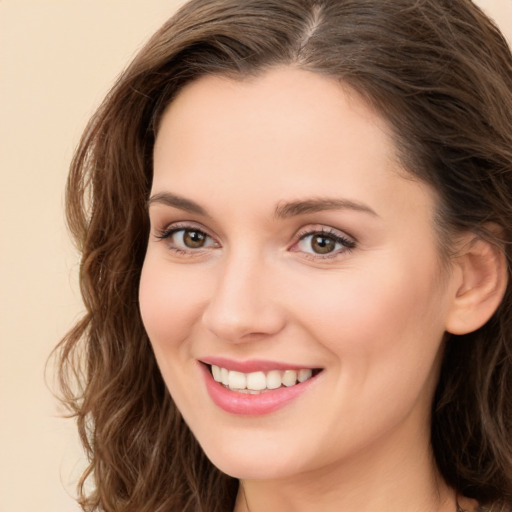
(246, 469)
(258, 463)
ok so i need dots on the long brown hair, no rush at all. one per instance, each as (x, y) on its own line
(440, 72)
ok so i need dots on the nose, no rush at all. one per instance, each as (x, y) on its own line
(244, 305)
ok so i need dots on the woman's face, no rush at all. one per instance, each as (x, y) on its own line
(288, 245)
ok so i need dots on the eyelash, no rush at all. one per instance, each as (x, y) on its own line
(347, 243)
(168, 232)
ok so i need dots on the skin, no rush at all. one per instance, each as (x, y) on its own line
(373, 315)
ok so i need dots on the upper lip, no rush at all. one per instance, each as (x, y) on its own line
(252, 365)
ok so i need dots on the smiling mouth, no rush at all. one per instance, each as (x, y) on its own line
(260, 382)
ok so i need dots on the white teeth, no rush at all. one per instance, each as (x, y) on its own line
(237, 380)
(289, 378)
(216, 373)
(255, 382)
(274, 379)
(304, 374)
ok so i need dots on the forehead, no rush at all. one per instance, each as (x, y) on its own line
(285, 134)
(282, 97)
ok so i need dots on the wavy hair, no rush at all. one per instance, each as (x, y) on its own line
(440, 73)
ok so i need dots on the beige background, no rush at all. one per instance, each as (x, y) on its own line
(57, 60)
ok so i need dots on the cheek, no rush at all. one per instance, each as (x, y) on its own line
(383, 332)
(368, 317)
(171, 301)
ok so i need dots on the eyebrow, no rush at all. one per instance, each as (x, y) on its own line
(302, 207)
(283, 210)
(175, 201)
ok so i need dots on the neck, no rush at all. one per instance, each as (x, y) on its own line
(287, 497)
(367, 483)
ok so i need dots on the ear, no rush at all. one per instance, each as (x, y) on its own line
(481, 280)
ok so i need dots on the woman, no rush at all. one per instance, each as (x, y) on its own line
(294, 217)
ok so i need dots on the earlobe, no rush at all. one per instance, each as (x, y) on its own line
(481, 271)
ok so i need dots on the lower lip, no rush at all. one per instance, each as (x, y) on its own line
(252, 405)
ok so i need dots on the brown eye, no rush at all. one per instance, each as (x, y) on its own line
(322, 244)
(194, 239)
(187, 239)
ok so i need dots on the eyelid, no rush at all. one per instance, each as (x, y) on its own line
(164, 235)
(340, 237)
(322, 228)
(347, 241)
(181, 225)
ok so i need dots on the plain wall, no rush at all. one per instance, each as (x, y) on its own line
(57, 60)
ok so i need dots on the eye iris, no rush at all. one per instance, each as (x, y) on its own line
(322, 244)
(194, 239)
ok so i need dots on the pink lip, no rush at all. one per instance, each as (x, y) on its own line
(252, 405)
(254, 365)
